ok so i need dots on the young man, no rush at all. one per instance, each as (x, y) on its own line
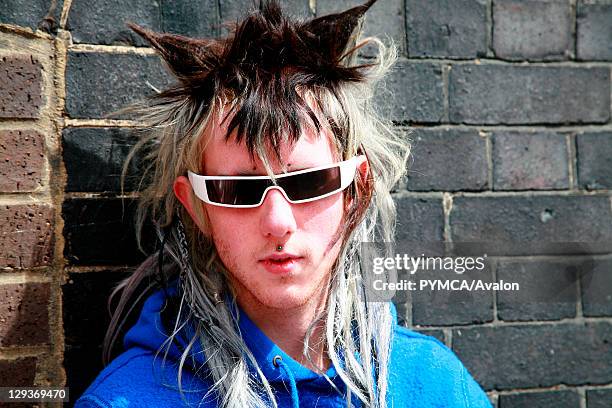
(269, 168)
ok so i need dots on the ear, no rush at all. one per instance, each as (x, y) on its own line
(363, 168)
(183, 192)
(186, 56)
(334, 32)
(363, 171)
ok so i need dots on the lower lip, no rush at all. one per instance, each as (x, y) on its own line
(281, 268)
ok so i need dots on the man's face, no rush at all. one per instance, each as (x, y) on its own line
(245, 238)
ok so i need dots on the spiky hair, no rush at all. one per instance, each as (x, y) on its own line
(262, 66)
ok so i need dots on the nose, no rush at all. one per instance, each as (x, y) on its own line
(277, 218)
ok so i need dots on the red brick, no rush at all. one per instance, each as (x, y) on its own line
(21, 90)
(18, 373)
(22, 156)
(24, 318)
(26, 235)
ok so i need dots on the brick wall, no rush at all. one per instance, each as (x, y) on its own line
(508, 107)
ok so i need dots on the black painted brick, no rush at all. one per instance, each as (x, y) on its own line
(531, 29)
(594, 155)
(545, 399)
(548, 289)
(533, 224)
(94, 159)
(447, 28)
(31, 14)
(502, 94)
(419, 220)
(87, 325)
(438, 334)
(383, 19)
(400, 308)
(529, 161)
(98, 84)
(599, 398)
(532, 356)
(594, 31)
(104, 22)
(447, 160)
(100, 231)
(416, 93)
(187, 17)
(440, 307)
(596, 288)
(82, 364)
(233, 10)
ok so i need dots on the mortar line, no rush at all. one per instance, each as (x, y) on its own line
(498, 61)
(114, 49)
(489, 141)
(404, 51)
(26, 32)
(582, 397)
(556, 387)
(73, 123)
(23, 277)
(490, 27)
(521, 127)
(572, 161)
(34, 198)
(81, 269)
(409, 314)
(65, 12)
(447, 207)
(518, 323)
(15, 352)
(494, 273)
(495, 398)
(100, 195)
(573, 30)
(551, 258)
(579, 311)
(57, 184)
(502, 194)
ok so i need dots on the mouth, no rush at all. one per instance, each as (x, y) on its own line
(281, 263)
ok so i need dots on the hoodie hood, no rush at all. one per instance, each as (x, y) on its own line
(286, 376)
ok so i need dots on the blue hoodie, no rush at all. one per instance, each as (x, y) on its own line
(423, 372)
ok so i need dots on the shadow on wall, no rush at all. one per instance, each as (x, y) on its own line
(97, 231)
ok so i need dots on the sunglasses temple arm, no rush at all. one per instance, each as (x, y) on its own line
(198, 184)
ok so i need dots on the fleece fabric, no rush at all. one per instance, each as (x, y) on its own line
(424, 373)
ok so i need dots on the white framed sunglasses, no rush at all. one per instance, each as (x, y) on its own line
(300, 186)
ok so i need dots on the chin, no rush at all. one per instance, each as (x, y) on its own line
(282, 297)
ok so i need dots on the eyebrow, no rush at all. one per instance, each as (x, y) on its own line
(245, 173)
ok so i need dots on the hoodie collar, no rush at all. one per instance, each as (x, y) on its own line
(267, 353)
(150, 334)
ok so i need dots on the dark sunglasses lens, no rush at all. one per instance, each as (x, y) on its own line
(236, 192)
(312, 184)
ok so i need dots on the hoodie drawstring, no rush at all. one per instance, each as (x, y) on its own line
(295, 399)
